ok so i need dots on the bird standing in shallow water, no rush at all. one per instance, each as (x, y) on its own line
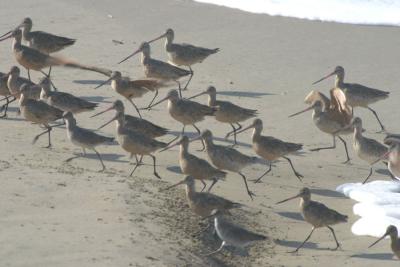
(357, 95)
(317, 214)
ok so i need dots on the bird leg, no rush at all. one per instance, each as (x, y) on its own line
(265, 173)
(218, 250)
(5, 107)
(51, 82)
(369, 175)
(202, 230)
(136, 166)
(298, 175)
(204, 185)
(376, 116)
(29, 75)
(329, 147)
(102, 164)
(234, 134)
(345, 148)
(334, 236)
(251, 194)
(154, 166)
(308, 237)
(179, 89)
(190, 78)
(48, 130)
(215, 180)
(151, 102)
(199, 132)
(133, 104)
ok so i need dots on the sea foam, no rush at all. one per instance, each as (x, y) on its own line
(369, 12)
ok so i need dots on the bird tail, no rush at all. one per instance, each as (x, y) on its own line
(58, 61)
(110, 139)
(215, 50)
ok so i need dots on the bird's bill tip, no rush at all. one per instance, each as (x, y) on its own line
(103, 83)
(174, 185)
(199, 94)
(285, 200)
(157, 38)
(159, 102)
(377, 241)
(302, 111)
(245, 129)
(131, 55)
(107, 123)
(101, 112)
(6, 36)
(323, 78)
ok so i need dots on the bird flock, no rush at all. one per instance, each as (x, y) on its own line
(42, 104)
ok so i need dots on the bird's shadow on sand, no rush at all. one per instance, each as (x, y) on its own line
(375, 256)
(296, 244)
(215, 138)
(174, 169)
(327, 193)
(243, 94)
(88, 82)
(383, 172)
(97, 99)
(105, 157)
(291, 215)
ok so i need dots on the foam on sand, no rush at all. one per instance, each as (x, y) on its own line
(378, 206)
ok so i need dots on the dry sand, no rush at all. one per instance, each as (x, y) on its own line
(67, 214)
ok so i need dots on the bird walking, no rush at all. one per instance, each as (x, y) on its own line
(227, 112)
(357, 95)
(317, 214)
(84, 138)
(271, 148)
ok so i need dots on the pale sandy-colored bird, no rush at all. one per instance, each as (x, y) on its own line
(271, 148)
(137, 124)
(5, 93)
(393, 155)
(194, 166)
(158, 69)
(84, 138)
(135, 143)
(184, 54)
(331, 116)
(394, 240)
(317, 214)
(133, 88)
(227, 112)
(227, 158)
(232, 234)
(64, 101)
(38, 112)
(186, 111)
(357, 95)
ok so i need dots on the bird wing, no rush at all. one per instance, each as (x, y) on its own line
(340, 110)
(316, 95)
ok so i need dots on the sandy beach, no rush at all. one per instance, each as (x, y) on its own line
(57, 213)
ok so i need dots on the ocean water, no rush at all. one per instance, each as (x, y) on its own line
(369, 12)
(378, 205)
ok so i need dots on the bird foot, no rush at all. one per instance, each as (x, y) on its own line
(256, 181)
(156, 175)
(251, 195)
(347, 162)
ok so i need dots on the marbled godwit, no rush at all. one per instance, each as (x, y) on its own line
(38, 112)
(231, 234)
(191, 165)
(366, 149)
(15, 81)
(227, 112)
(64, 101)
(132, 89)
(184, 54)
(84, 138)
(393, 154)
(331, 116)
(132, 123)
(154, 68)
(135, 143)
(34, 59)
(227, 158)
(317, 214)
(271, 148)
(44, 42)
(357, 95)
(185, 111)
(394, 240)
(203, 203)
(5, 92)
